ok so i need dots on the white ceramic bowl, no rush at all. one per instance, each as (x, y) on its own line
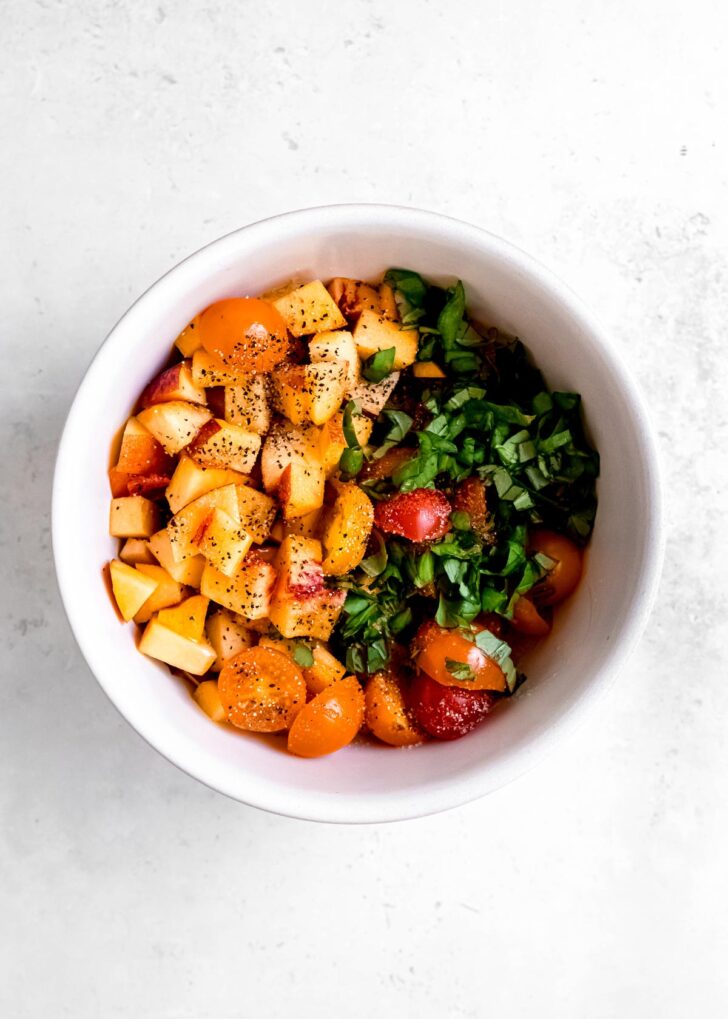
(595, 631)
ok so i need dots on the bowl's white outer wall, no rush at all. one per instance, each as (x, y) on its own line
(596, 630)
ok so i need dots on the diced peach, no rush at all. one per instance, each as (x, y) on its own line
(136, 550)
(208, 697)
(337, 346)
(278, 531)
(427, 370)
(189, 340)
(189, 571)
(208, 370)
(284, 444)
(168, 646)
(187, 618)
(174, 424)
(223, 543)
(372, 396)
(132, 516)
(305, 526)
(191, 480)
(257, 512)
(387, 302)
(119, 482)
(140, 452)
(298, 562)
(167, 592)
(373, 333)
(301, 605)
(247, 405)
(308, 617)
(227, 634)
(223, 445)
(247, 593)
(310, 392)
(186, 527)
(355, 296)
(346, 529)
(309, 309)
(301, 488)
(173, 383)
(131, 588)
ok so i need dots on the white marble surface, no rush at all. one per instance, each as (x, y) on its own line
(594, 135)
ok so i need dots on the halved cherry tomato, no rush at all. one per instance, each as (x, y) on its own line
(565, 575)
(470, 498)
(244, 332)
(386, 714)
(447, 712)
(438, 652)
(421, 515)
(330, 721)
(261, 690)
(527, 619)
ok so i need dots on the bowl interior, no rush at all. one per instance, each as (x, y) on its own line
(593, 631)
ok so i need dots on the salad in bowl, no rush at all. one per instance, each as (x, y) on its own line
(348, 509)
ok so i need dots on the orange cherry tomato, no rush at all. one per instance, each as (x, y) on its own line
(565, 575)
(438, 652)
(386, 713)
(527, 619)
(330, 721)
(246, 333)
(261, 690)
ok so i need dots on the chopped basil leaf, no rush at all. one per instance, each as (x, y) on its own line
(450, 321)
(352, 459)
(459, 670)
(303, 655)
(351, 410)
(379, 365)
(500, 653)
(491, 418)
(375, 563)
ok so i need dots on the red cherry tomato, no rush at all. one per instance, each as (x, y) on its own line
(447, 712)
(470, 498)
(422, 515)
(565, 575)
(246, 333)
(438, 652)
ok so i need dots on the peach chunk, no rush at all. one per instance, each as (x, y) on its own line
(131, 588)
(174, 424)
(224, 445)
(173, 383)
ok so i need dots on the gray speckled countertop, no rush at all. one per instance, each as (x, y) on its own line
(591, 134)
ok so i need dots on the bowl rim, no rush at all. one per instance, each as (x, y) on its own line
(379, 807)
